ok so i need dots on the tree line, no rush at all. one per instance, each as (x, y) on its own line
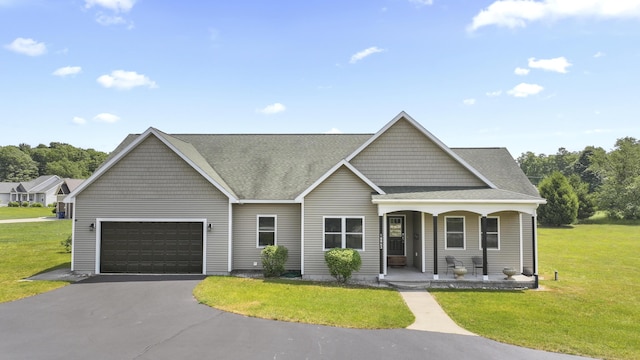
(24, 163)
(576, 184)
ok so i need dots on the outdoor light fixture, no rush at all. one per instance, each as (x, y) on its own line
(210, 227)
(92, 227)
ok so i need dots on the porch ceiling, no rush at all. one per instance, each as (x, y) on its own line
(436, 201)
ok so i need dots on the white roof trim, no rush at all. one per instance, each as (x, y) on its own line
(425, 132)
(345, 163)
(108, 165)
(456, 201)
(250, 201)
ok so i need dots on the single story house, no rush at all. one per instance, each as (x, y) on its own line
(40, 190)
(201, 203)
(65, 210)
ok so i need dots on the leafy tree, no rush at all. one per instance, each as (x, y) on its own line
(563, 161)
(562, 202)
(586, 201)
(536, 167)
(620, 192)
(586, 167)
(15, 165)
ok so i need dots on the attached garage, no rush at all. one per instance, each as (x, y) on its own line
(151, 247)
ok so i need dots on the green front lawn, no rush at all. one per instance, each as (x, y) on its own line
(593, 309)
(27, 249)
(7, 213)
(306, 302)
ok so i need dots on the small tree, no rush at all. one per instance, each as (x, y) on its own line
(562, 202)
(586, 201)
(342, 263)
(273, 259)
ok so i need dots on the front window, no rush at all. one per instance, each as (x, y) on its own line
(454, 230)
(266, 230)
(493, 233)
(344, 232)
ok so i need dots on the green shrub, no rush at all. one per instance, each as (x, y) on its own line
(342, 262)
(14, 204)
(36, 205)
(25, 204)
(273, 259)
(67, 244)
(53, 204)
(54, 210)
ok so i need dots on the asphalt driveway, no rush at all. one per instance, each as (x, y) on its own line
(156, 317)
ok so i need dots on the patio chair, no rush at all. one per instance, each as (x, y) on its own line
(452, 262)
(477, 263)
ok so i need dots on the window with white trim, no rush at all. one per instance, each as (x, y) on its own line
(493, 233)
(343, 232)
(454, 232)
(267, 230)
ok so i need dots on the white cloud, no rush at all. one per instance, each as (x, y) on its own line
(599, 54)
(364, 53)
(27, 47)
(524, 90)
(521, 71)
(559, 64)
(106, 20)
(494, 93)
(334, 131)
(78, 120)
(272, 109)
(125, 80)
(67, 70)
(469, 102)
(598, 131)
(421, 2)
(115, 5)
(518, 13)
(106, 118)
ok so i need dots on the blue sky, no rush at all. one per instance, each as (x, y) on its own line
(526, 75)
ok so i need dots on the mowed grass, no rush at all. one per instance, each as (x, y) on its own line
(306, 302)
(7, 213)
(27, 249)
(593, 309)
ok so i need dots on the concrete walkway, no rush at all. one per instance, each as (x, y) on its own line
(44, 218)
(429, 315)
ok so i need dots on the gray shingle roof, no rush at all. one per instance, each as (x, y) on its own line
(281, 166)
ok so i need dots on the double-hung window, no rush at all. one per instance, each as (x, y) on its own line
(343, 232)
(454, 230)
(493, 233)
(266, 230)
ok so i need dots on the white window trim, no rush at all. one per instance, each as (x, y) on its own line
(464, 233)
(480, 232)
(343, 232)
(275, 230)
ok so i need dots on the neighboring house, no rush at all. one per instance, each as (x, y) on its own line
(209, 203)
(65, 210)
(40, 190)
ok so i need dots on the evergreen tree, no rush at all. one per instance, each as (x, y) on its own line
(562, 202)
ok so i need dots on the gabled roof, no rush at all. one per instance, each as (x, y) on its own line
(174, 144)
(38, 185)
(430, 136)
(286, 167)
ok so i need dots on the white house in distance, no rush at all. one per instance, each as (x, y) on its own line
(40, 190)
(209, 203)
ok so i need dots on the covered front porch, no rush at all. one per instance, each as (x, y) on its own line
(420, 230)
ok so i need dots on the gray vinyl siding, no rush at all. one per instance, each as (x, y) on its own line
(144, 184)
(403, 156)
(508, 255)
(245, 250)
(342, 194)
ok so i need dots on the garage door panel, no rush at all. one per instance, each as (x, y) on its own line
(151, 247)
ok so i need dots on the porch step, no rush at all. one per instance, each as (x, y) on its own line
(458, 284)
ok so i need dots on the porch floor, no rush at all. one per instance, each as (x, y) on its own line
(409, 277)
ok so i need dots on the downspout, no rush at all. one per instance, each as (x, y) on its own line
(485, 265)
(534, 247)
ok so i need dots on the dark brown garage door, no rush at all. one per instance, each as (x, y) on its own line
(151, 247)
